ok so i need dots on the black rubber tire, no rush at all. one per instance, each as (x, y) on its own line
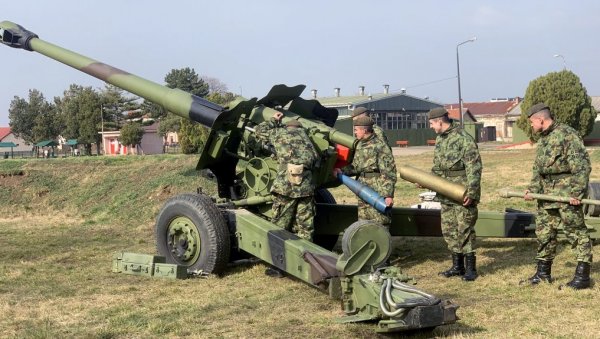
(327, 241)
(207, 221)
(323, 196)
(594, 194)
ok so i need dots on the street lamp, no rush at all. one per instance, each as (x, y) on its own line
(563, 58)
(460, 103)
(102, 127)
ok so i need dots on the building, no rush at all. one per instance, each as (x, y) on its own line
(493, 114)
(401, 116)
(152, 142)
(21, 148)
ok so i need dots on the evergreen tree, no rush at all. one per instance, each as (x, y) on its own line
(23, 118)
(79, 110)
(115, 104)
(567, 98)
(191, 134)
(131, 134)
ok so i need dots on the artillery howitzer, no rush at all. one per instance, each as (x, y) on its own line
(204, 233)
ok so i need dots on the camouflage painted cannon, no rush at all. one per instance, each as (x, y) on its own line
(205, 233)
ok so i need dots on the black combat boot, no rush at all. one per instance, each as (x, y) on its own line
(470, 269)
(274, 272)
(581, 279)
(458, 266)
(544, 268)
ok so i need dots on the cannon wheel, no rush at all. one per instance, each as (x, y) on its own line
(191, 231)
(327, 241)
(593, 193)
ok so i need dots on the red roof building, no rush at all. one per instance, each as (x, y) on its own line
(4, 131)
(492, 114)
(6, 135)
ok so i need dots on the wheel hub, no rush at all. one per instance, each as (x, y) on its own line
(183, 240)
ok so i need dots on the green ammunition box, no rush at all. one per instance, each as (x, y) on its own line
(172, 271)
(135, 263)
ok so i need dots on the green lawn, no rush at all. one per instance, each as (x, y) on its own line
(61, 220)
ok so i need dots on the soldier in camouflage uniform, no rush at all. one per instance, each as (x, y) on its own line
(562, 168)
(374, 165)
(456, 158)
(293, 188)
(363, 112)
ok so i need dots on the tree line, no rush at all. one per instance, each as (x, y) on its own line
(82, 112)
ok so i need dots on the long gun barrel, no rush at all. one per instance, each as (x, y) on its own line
(431, 181)
(365, 193)
(507, 193)
(177, 101)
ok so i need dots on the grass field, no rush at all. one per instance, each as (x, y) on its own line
(61, 220)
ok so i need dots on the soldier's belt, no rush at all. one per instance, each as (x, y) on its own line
(449, 173)
(555, 176)
(370, 174)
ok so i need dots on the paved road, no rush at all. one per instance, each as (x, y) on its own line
(412, 150)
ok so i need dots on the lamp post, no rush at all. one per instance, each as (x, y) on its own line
(102, 127)
(460, 103)
(563, 59)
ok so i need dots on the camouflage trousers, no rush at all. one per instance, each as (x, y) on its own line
(294, 214)
(547, 223)
(368, 212)
(458, 227)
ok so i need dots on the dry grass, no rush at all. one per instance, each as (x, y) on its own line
(56, 249)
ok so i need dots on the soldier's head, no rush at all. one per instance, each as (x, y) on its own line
(540, 117)
(363, 127)
(359, 112)
(438, 119)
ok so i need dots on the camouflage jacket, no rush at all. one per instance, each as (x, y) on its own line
(456, 158)
(291, 146)
(561, 166)
(374, 164)
(379, 133)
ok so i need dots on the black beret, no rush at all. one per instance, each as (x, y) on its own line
(358, 110)
(437, 112)
(536, 108)
(363, 121)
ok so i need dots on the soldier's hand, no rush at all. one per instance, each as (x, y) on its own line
(527, 196)
(277, 115)
(336, 171)
(467, 201)
(574, 201)
(389, 201)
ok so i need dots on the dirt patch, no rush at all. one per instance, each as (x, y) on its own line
(12, 179)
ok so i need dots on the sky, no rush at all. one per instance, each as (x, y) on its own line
(252, 45)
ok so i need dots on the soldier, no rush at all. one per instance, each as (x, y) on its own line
(293, 188)
(363, 112)
(374, 165)
(456, 158)
(561, 167)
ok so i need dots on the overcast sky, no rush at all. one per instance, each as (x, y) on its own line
(252, 45)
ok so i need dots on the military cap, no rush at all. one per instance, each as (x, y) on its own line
(437, 112)
(363, 121)
(293, 123)
(536, 108)
(358, 110)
